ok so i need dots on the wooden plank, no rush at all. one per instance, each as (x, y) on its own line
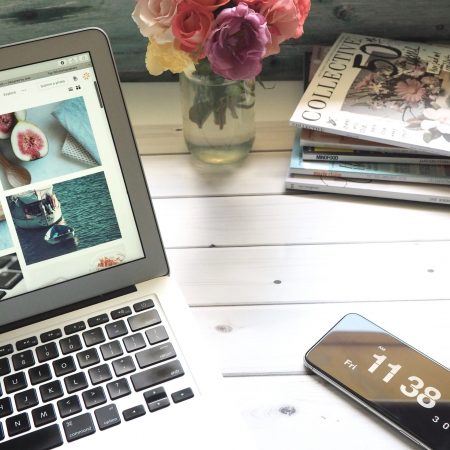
(313, 273)
(303, 412)
(296, 219)
(191, 178)
(401, 19)
(272, 339)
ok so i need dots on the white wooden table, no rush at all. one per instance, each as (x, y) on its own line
(267, 273)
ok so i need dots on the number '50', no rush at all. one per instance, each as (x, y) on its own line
(427, 398)
(376, 64)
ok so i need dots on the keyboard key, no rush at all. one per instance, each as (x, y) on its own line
(134, 342)
(23, 360)
(100, 374)
(144, 320)
(93, 337)
(64, 366)
(69, 406)
(17, 424)
(47, 352)
(181, 396)
(5, 368)
(51, 335)
(157, 375)
(15, 382)
(107, 416)
(75, 327)
(42, 439)
(155, 335)
(122, 312)
(6, 349)
(75, 382)
(111, 350)
(98, 320)
(155, 394)
(143, 305)
(5, 407)
(154, 355)
(51, 390)
(133, 413)
(2, 294)
(118, 388)
(116, 329)
(39, 374)
(43, 415)
(88, 358)
(79, 427)
(26, 343)
(94, 397)
(2, 434)
(158, 404)
(122, 366)
(70, 344)
(26, 399)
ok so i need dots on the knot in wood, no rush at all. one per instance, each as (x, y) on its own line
(344, 12)
(288, 410)
(224, 328)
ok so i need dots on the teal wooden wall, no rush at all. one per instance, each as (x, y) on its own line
(404, 19)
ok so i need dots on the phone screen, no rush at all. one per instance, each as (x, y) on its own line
(398, 382)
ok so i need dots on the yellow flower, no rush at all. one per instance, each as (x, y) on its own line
(161, 57)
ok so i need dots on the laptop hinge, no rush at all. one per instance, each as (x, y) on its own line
(69, 308)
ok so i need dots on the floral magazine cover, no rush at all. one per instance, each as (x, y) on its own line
(378, 89)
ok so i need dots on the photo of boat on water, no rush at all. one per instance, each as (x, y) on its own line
(46, 141)
(64, 217)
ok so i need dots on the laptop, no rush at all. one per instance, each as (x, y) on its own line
(97, 345)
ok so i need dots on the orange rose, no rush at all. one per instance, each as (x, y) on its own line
(190, 26)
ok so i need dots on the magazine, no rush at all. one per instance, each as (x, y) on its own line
(381, 90)
(371, 188)
(413, 173)
(353, 155)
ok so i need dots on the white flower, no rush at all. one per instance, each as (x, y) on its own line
(154, 19)
(436, 118)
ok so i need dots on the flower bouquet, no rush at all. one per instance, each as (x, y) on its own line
(220, 43)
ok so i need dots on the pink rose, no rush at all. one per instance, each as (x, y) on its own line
(237, 43)
(191, 25)
(285, 19)
(154, 18)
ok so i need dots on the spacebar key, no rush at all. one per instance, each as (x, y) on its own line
(42, 439)
(157, 375)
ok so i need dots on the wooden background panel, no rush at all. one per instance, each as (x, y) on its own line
(296, 219)
(272, 339)
(302, 412)
(418, 20)
(312, 273)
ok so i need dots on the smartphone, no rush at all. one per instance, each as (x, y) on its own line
(398, 383)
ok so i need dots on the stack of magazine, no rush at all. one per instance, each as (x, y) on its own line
(374, 121)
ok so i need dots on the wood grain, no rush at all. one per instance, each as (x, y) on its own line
(399, 19)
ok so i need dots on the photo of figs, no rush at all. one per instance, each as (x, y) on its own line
(28, 141)
(43, 142)
(7, 122)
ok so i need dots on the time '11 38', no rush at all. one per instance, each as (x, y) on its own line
(426, 396)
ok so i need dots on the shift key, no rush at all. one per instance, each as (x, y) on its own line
(157, 375)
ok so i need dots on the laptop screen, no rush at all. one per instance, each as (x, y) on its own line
(64, 207)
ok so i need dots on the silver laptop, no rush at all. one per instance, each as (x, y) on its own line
(97, 346)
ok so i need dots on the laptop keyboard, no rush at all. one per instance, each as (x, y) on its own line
(68, 382)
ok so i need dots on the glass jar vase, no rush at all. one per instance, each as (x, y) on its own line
(218, 117)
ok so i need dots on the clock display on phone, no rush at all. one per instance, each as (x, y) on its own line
(393, 379)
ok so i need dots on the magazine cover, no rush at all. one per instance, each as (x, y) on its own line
(388, 91)
(414, 173)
